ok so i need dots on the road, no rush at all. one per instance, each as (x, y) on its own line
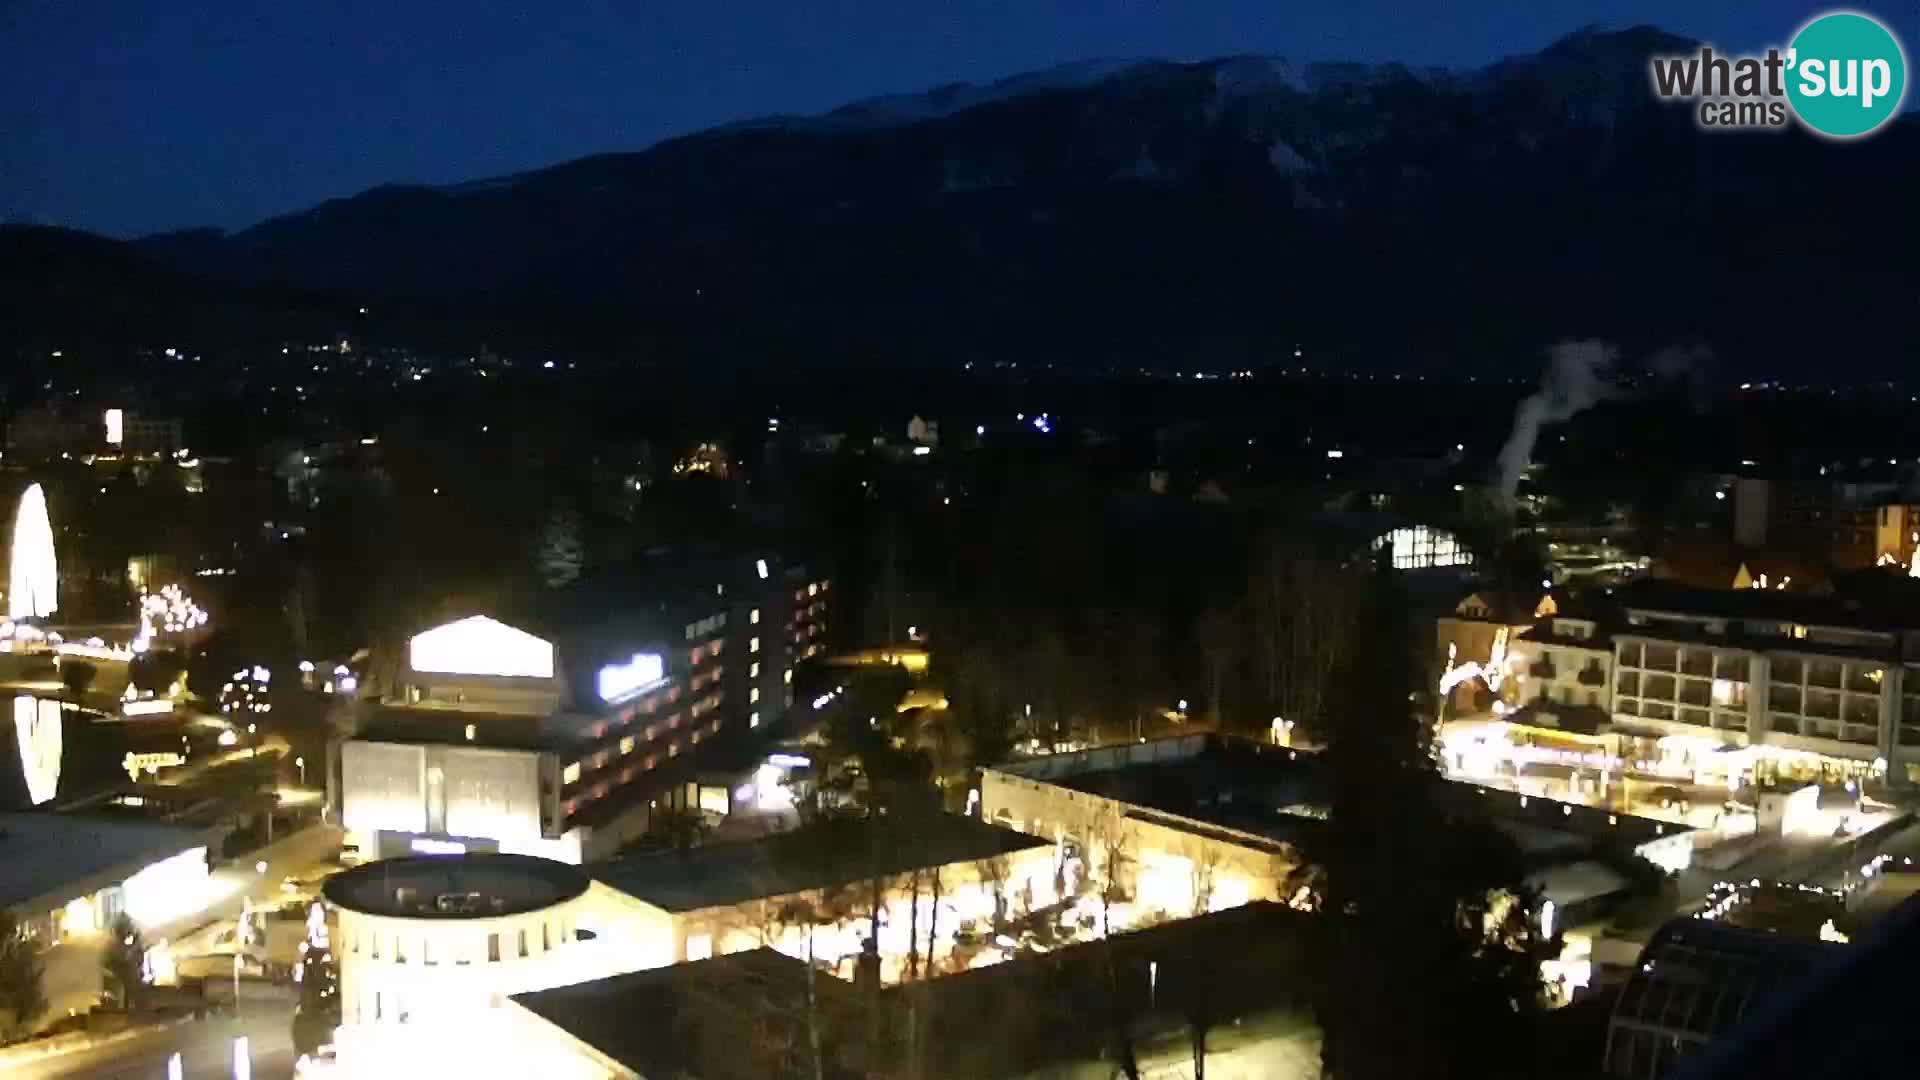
(300, 855)
(205, 1048)
(1274, 1045)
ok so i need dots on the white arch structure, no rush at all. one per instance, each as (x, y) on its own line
(33, 574)
(36, 724)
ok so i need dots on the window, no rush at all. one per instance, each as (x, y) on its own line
(753, 695)
(753, 672)
(787, 677)
(626, 744)
(546, 938)
(570, 774)
(523, 942)
(753, 720)
(753, 644)
(754, 617)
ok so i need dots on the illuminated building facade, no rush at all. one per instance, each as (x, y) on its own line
(429, 948)
(1420, 547)
(1145, 797)
(1568, 663)
(48, 433)
(68, 876)
(1812, 684)
(554, 727)
(776, 892)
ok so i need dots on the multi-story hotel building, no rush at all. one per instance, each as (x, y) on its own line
(1793, 684)
(552, 727)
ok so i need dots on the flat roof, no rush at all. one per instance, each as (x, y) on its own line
(476, 885)
(822, 855)
(1881, 612)
(44, 852)
(1270, 792)
(652, 1021)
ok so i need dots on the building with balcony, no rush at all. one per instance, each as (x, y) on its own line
(1806, 685)
(1568, 663)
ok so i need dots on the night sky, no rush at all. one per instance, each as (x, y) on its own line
(133, 117)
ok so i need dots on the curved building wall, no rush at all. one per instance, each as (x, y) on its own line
(429, 993)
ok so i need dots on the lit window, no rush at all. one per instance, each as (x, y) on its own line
(813, 590)
(754, 617)
(754, 694)
(753, 644)
(787, 676)
(570, 774)
(626, 745)
(753, 720)
(753, 672)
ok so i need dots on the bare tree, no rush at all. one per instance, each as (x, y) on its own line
(123, 963)
(22, 962)
(1303, 609)
(1203, 860)
(994, 872)
(1217, 633)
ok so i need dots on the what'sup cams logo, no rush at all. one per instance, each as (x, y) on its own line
(1843, 76)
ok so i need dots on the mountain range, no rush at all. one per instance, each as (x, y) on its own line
(1214, 214)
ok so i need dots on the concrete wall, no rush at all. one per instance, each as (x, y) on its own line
(456, 791)
(1058, 813)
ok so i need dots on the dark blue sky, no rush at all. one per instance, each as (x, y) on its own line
(132, 117)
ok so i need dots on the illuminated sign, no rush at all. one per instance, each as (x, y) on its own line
(425, 846)
(478, 645)
(150, 763)
(151, 707)
(116, 426)
(619, 681)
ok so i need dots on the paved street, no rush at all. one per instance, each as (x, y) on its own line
(1277, 1045)
(205, 1047)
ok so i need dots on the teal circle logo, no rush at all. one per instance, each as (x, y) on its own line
(1846, 74)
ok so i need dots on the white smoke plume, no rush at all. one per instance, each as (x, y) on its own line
(1575, 379)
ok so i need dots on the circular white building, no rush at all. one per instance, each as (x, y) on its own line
(429, 948)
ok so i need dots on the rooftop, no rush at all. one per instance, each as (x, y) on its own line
(817, 856)
(1277, 793)
(691, 1010)
(470, 886)
(1863, 610)
(1251, 788)
(1696, 981)
(42, 852)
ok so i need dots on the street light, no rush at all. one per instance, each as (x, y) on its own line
(301, 764)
